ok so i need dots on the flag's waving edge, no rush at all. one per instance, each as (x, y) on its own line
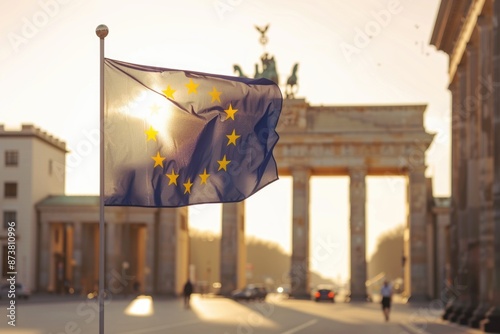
(175, 138)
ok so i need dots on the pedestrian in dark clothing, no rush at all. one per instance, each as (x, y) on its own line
(386, 293)
(188, 290)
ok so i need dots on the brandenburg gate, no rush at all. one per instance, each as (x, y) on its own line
(357, 141)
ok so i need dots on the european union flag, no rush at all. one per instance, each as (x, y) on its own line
(174, 138)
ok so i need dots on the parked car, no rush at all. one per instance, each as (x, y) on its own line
(250, 292)
(21, 291)
(324, 292)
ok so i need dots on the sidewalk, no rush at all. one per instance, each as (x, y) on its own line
(438, 327)
(425, 318)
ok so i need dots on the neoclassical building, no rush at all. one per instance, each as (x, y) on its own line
(146, 247)
(468, 31)
(32, 166)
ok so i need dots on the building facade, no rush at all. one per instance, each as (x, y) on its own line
(468, 31)
(146, 248)
(32, 166)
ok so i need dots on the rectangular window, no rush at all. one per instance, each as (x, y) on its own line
(11, 158)
(10, 190)
(9, 216)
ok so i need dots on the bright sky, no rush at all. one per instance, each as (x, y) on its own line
(350, 52)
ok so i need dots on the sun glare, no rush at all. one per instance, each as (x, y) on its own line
(152, 109)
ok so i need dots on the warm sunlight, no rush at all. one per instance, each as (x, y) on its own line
(142, 306)
(208, 309)
(320, 132)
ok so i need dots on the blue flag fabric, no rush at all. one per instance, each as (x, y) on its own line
(174, 138)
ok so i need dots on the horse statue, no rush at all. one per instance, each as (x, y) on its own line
(237, 69)
(291, 83)
(268, 69)
(257, 72)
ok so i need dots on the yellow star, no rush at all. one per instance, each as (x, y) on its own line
(230, 112)
(215, 95)
(204, 177)
(223, 163)
(232, 138)
(172, 177)
(158, 160)
(151, 133)
(169, 92)
(191, 86)
(188, 185)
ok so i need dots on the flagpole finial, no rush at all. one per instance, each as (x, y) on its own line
(102, 31)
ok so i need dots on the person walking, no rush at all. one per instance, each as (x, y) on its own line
(187, 291)
(386, 292)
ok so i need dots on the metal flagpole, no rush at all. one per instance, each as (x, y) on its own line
(101, 32)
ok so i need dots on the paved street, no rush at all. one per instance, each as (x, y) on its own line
(54, 315)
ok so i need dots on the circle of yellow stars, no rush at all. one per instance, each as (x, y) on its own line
(151, 133)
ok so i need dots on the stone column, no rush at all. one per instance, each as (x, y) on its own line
(232, 248)
(149, 268)
(45, 255)
(450, 298)
(472, 198)
(113, 270)
(165, 276)
(299, 270)
(485, 180)
(417, 195)
(492, 322)
(459, 283)
(357, 195)
(77, 256)
(113, 248)
(182, 253)
(90, 257)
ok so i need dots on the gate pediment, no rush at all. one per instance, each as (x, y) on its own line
(331, 139)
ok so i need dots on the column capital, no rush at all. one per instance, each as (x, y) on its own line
(417, 169)
(358, 169)
(357, 173)
(300, 169)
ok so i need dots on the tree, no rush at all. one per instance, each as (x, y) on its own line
(387, 257)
